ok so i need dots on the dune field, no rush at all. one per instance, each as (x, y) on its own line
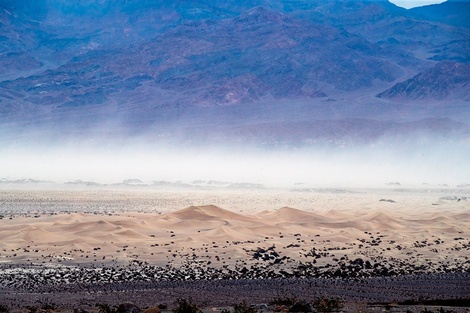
(55, 240)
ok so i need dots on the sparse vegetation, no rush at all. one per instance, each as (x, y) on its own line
(441, 310)
(105, 308)
(279, 304)
(301, 306)
(243, 307)
(319, 305)
(327, 305)
(162, 306)
(457, 302)
(287, 301)
(186, 306)
(4, 309)
(46, 304)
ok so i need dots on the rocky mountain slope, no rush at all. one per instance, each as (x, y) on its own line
(454, 12)
(158, 66)
(443, 81)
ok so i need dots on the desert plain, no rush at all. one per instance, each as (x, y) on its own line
(79, 246)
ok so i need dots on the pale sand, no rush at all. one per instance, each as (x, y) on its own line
(225, 228)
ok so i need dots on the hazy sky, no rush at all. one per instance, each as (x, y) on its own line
(414, 3)
(362, 166)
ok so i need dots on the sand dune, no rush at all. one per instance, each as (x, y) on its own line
(207, 212)
(286, 214)
(34, 233)
(384, 221)
(130, 234)
(369, 229)
(223, 233)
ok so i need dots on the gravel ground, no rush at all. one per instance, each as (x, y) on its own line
(355, 293)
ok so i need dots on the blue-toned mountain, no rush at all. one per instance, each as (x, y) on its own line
(168, 66)
(446, 80)
(454, 12)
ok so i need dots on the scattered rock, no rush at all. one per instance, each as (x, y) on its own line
(388, 200)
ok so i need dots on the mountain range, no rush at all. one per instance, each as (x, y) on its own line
(262, 72)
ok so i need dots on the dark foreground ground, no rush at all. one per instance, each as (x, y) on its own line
(406, 293)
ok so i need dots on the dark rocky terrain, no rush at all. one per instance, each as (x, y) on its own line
(357, 294)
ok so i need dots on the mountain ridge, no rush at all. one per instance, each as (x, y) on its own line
(71, 64)
(443, 80)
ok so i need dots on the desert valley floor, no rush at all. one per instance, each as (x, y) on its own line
(82, 246)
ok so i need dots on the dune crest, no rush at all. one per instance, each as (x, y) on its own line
(206, 212)
(287, 214)
(221, 237)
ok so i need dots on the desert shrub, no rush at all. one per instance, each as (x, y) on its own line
(186, 306)
(243, 307)
(47, 304)
(287, 301)
(162, 306)
(105, 308)
(31, 309)
(442, 310)
(4, 309)
(327, 305)
(388, 306)
(301, 306)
